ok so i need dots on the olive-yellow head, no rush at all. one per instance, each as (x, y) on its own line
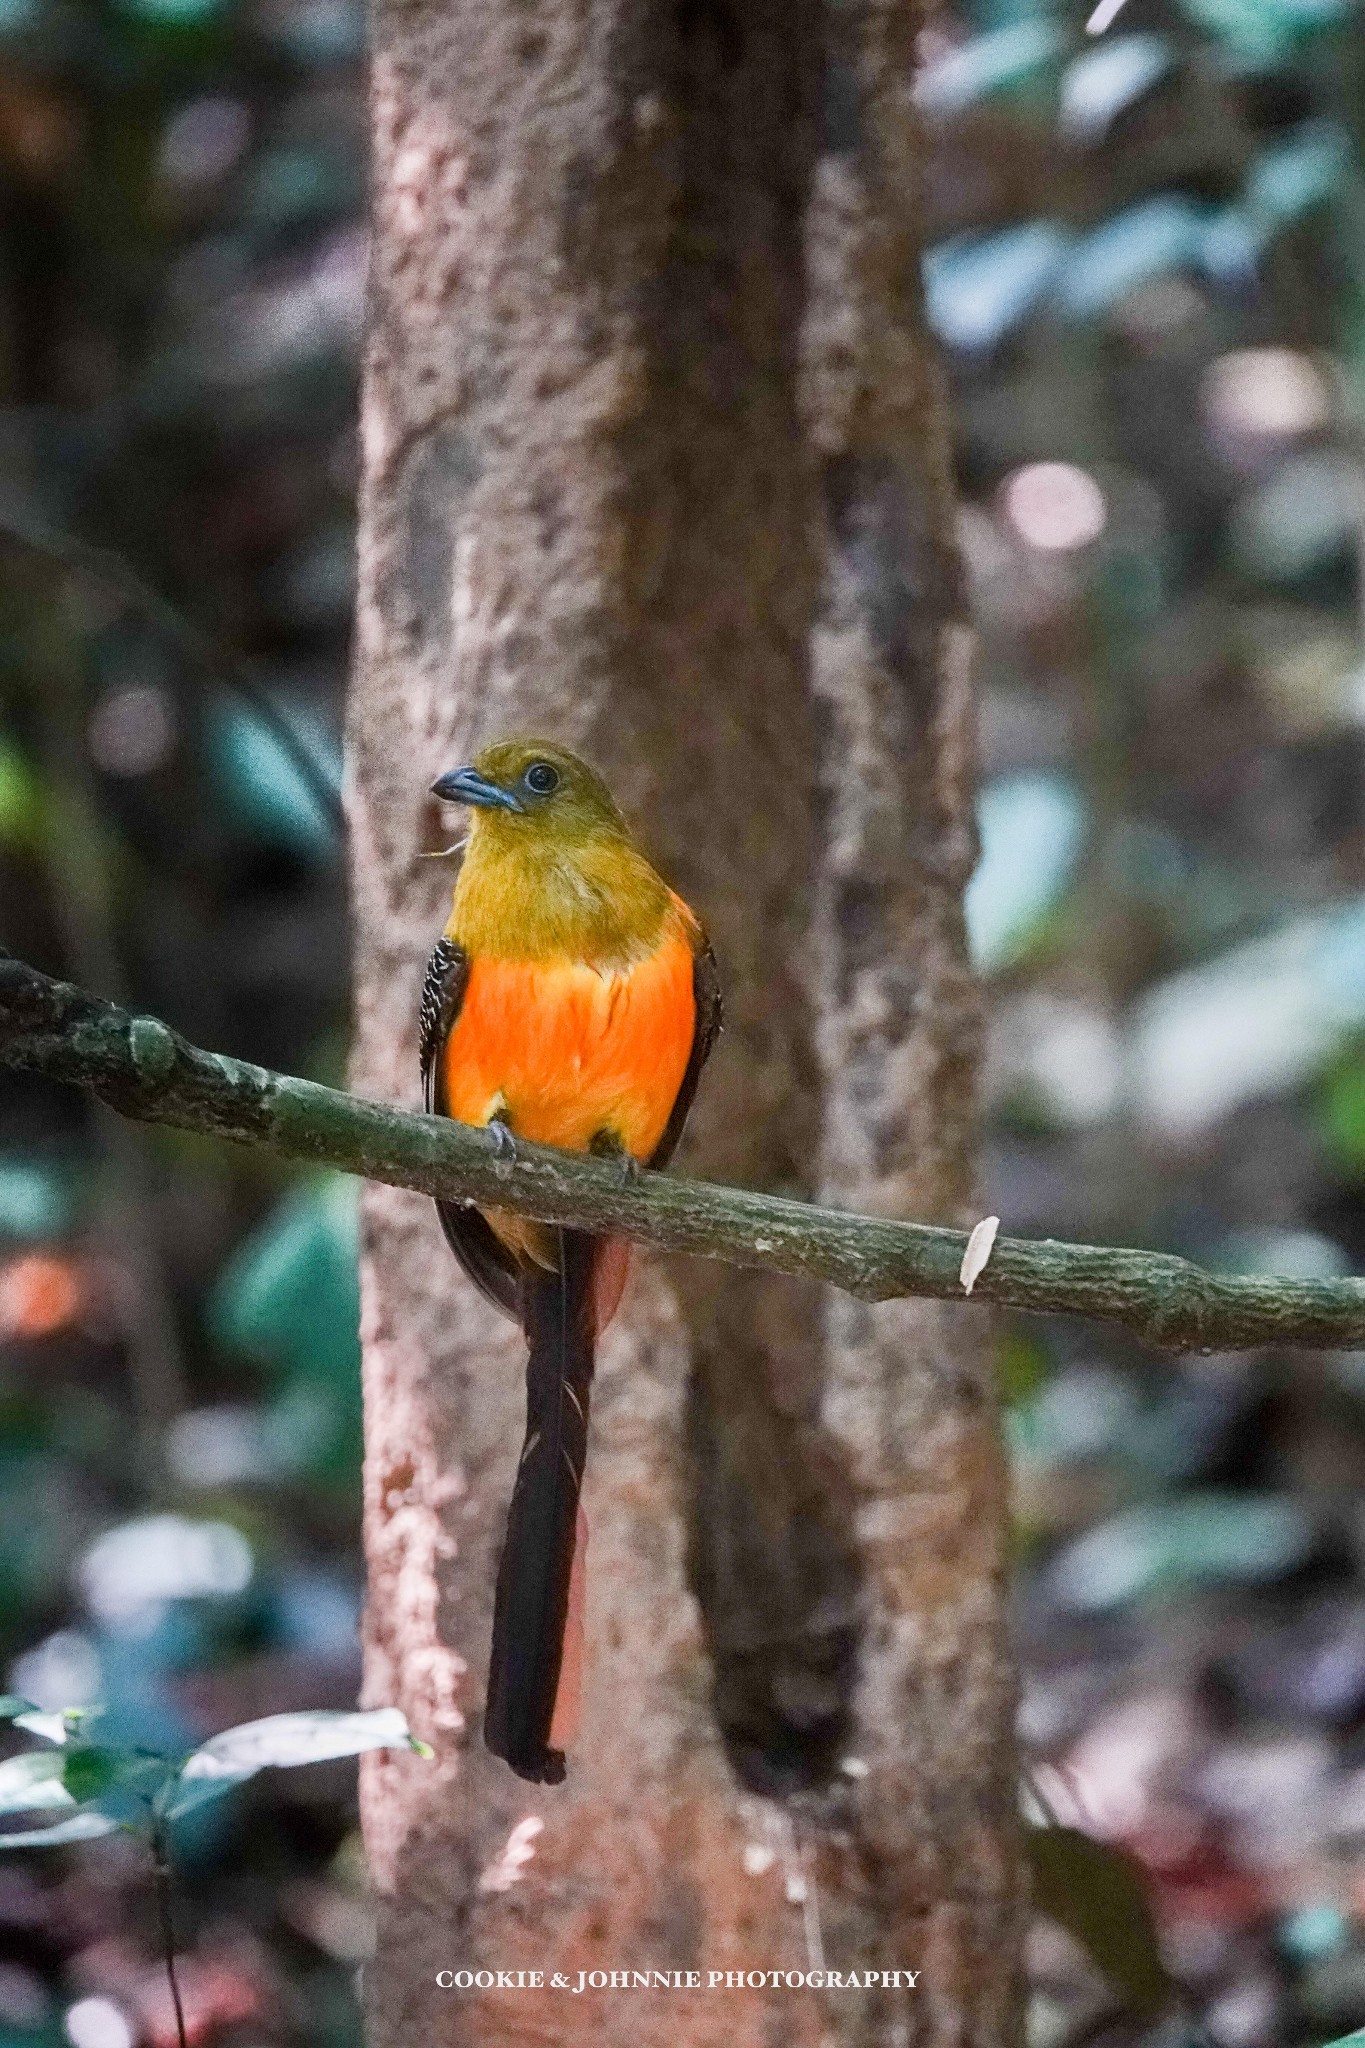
(552, 870)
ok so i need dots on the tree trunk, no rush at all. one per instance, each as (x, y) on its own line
(652, 465)
(908, 1398)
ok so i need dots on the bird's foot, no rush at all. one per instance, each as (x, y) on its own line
(504, 1147)
(606, 1145)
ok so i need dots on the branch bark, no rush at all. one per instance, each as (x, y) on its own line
(146, 1071)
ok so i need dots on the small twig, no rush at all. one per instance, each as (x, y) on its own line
(161, 1872)
(1033, 1786)
(144, 1070)
(801, 1889)
(109, 571)
(79, 869)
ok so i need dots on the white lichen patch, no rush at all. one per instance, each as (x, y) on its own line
(980, 1245)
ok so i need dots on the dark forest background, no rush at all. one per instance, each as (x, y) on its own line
(1146, 266)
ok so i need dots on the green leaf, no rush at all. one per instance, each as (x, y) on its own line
(1147, 240)
(11, 1706)
(290, 1295)
(33, 1782)
(90, 1772)
(294, 186)
(282, 1741)
(1021, 1365)
(979, 287)
(290, 1299)
(1341, 1118)
(1097, 1894)
(181, 1797)
(255, 770)
(173, 14)
(49, 1727)
(1261, 33)
(80, 1827)
(288, 1739)
(988, 64)
(1300, 521)
(35, 1200)
(21, 800)
(1299, 173)
(1355, 2040)
(1099, 84)
(1210, 1537)
(1033, 830)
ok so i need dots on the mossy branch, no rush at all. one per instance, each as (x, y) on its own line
(145, 1070)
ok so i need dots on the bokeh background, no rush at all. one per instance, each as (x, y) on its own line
(1146, 269)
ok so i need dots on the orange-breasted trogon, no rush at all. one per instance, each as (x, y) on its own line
(572, 1000)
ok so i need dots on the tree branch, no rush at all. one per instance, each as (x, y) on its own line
(144, 1070)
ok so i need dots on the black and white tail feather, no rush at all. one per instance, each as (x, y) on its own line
(531, 1606)
(557, 1312)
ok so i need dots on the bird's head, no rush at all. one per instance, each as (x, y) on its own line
(522, 788)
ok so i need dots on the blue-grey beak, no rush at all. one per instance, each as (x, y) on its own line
(467, 786)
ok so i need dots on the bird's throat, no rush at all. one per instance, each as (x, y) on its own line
(527, 896)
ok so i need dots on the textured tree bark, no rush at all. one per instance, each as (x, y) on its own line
(932, 1869)
(594, 506)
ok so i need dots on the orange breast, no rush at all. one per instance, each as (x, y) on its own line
(562, 1051)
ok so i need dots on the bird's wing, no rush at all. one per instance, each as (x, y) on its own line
(487, 1261)
(705, 1031)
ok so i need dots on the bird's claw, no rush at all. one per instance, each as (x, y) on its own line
(504, 1148)
(606, 1145)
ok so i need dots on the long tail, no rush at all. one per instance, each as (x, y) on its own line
(531, 1606)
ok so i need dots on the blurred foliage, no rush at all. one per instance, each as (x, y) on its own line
(103, 1789)
(1341, 1117)
(1146, 251)
(290, 1298)
(1098, 1895)
(181, 274)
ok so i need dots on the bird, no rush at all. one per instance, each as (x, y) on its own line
(572, 1000)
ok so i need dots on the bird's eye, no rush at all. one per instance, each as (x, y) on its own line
(541, 779)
